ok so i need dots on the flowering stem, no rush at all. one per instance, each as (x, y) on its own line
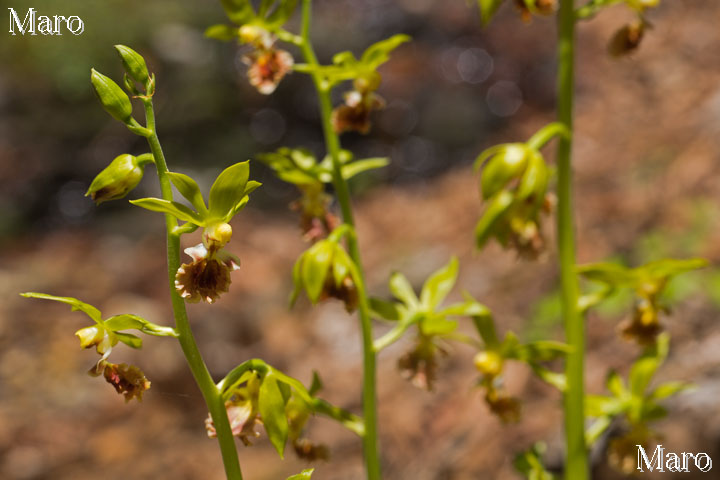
(332, 142)
(576, 464)
(209, 390)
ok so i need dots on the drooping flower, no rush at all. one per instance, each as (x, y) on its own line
(267, 66)
(420, 364)
(310, 451)
(507, 408)
(354, 114)
(627, 39)
(644, 326)
(128, 380)
(207, 276)
(243, 418)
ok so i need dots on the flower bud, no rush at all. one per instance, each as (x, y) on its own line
(134, 64)
(117, 180)
(114, 100)
(489, 363)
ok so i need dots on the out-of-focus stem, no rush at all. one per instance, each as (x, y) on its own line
(370, 444)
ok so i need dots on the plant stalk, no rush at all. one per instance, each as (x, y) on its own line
(342, 191)
(194, 359)
(576, 464)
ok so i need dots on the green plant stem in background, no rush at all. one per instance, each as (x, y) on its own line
(370, 443)
(576, 464)
(200, 372)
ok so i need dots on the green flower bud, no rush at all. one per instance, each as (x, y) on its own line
(114, 100)
(488, 363)
(117, 180)
(217, 235)
(134, 64)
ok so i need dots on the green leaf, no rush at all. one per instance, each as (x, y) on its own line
(177, 210)
(439, 285)
(228, 190)
(224, 33)
(304, 475)
(272, 411)
(314, 269)
(74, 303)
(238, 11)
(384, 309)
(379, 53)
(495, 210)
(129, 339)
(351, 169)
(468, 308)
(189, 189)
(488, 9)
(403, 291)
(599, 406)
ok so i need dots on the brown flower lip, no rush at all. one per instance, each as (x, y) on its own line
(207, 276)
(354, 114)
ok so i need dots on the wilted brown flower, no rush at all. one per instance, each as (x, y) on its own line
(622, 451)
(507, 408)
(354, 115)
(420, 364)
(627, 39)
(267, 67)
(207, 276)
(312, 452)
(346, 292)
(127, 380)
(316, 222)
(539, 7)
(243, 417)
(644, 325)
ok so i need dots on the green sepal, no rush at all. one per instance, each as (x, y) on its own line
(492, 215)
(644, 368)
(384, 309)
(272, 411)
(238, 11)
(349, 170)
(530, 464)
(113, 99)
(437, 325)
(189, 189)
(228, 191)
(221, 32)
(134, 322)
(403, 291)
(134, 64)
(304, 475)
(379, 52)
(534, 181)
(129, 339)
(314, 270)
(439, 285)
(75, 304)
(178, 210)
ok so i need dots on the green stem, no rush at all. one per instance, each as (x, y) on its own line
(576, 464)
(370, 443)
(209, 390)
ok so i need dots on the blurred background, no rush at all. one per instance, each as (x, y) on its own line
(647, 186)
